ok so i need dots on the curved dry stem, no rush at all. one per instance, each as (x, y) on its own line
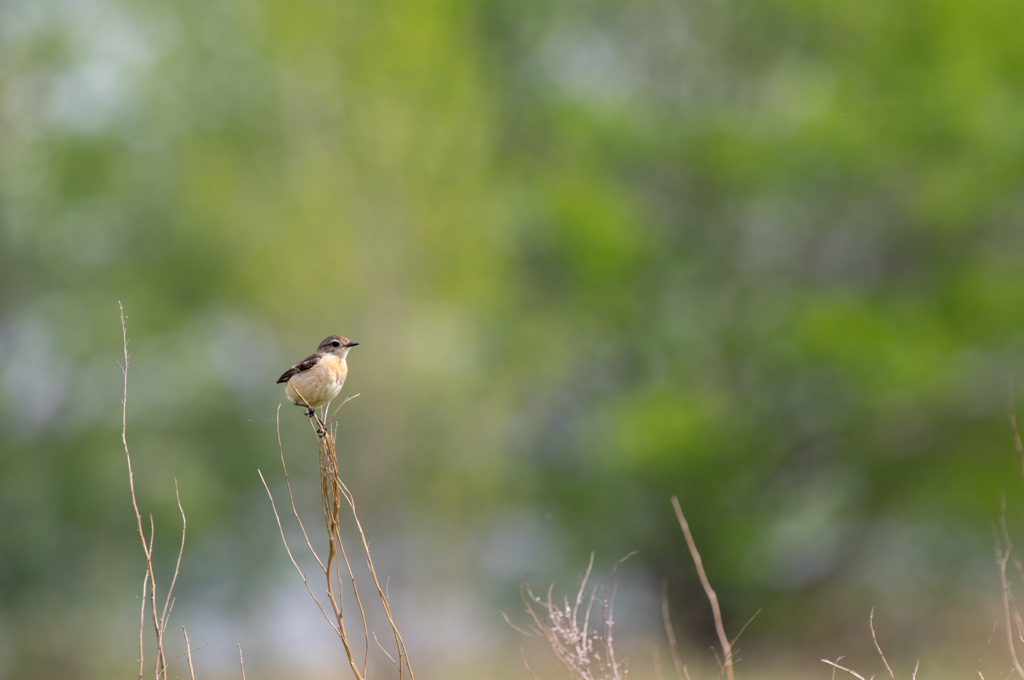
(399, 642)
(142, 624)
(169, 603)
(669, 630)
(292, 557)
(333, 490)
(871, 625)
(844, 668)
(159, 618)
(1002, 556)
(291, 497)
(188, 649)
(708, 590)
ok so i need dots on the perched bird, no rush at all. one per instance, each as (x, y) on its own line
(317, 379)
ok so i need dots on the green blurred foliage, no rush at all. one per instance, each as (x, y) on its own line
(762, 255)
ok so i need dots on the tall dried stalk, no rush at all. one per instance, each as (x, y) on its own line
(727, 663)
(333, 491)
(159, 615)
(1004, 552)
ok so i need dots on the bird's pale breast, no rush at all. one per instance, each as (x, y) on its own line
(320, 384)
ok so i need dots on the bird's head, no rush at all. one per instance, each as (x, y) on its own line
(336, 345)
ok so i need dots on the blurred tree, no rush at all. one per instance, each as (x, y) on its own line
(764, 255)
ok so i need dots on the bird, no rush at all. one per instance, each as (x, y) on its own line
(317, 379)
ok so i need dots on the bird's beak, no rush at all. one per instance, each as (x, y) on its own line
(352, 344)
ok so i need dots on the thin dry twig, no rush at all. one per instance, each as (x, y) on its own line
(743, 628)
(723, 640)
(142, 624)
(188, 649)
(333, 490)
(160, 618)
(289, 551)
(657, 664)
(1002, 556)
(844, 668)
(669, 630)
(241, 661)
(871, 625)
(588, 654)
(386, 653)
(981, 660)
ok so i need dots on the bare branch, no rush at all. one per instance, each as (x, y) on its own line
(333, 491)
(188, 648)
(292, 557)
(722, 638)
(981, 661)
(871, 625)
(749, 621)
(844, 668)
(386, 653)
(669, 630)
(169, 602)
(1002, 556)
(147, 546)
(142, 623)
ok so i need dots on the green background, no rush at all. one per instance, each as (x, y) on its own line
(763, 255)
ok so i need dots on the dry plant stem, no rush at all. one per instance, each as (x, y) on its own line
(386, 652)
(331, 505)
(722, 638)
(403, 655)
(333, 490)
(1002, 556)
(657, 664)
(188, 650)
(159, 619)
(871, 625)
(142, 624)
(333, 539)
(737, 637)
(843, 668)
(669, 630)
(981, 661)
(241, 661)
(302, 575)
(607, 604)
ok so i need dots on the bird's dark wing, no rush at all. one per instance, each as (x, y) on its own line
(304, 365)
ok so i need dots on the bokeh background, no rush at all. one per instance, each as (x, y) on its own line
(762, 254)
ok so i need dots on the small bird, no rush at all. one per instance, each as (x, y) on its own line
(317, 379)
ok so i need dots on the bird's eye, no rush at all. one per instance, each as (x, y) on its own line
(336, 344)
